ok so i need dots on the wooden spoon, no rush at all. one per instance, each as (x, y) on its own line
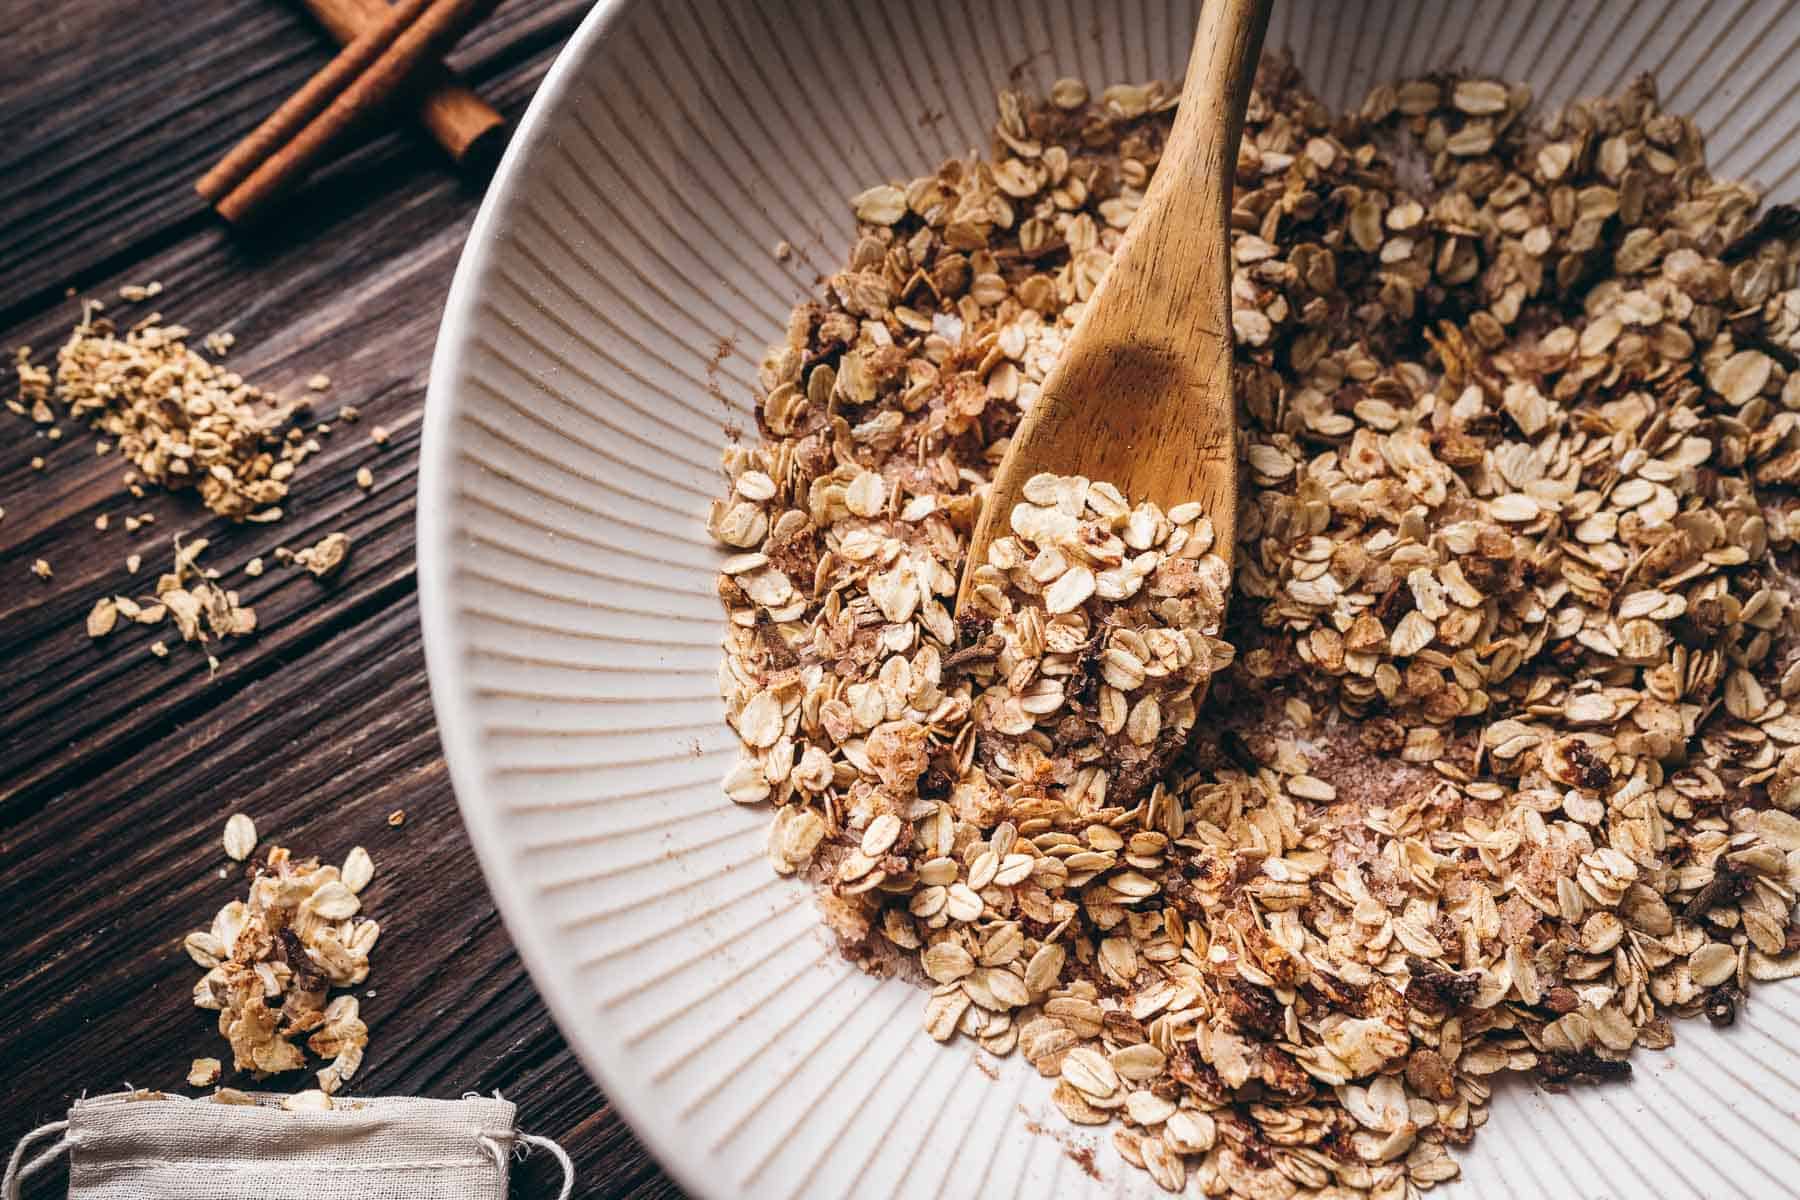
(1142, 395)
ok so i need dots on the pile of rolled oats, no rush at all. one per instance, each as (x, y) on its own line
(1502, 774)
(272, 960)
(1104, 622)
(182, 420)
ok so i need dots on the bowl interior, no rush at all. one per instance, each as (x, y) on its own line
(600, 345)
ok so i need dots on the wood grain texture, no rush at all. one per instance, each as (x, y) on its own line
(1142, 395)
(118, 769)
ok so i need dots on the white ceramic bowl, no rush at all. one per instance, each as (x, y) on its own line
(600, 341)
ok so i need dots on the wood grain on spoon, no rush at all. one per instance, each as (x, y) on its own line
(1142, 395)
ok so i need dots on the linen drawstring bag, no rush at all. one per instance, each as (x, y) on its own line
(145, 1145)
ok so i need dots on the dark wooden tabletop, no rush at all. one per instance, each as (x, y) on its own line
(117, 768)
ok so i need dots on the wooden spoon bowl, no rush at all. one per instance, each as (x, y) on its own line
(1141, 397)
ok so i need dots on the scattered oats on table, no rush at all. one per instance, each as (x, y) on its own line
(1501, 774)
(184, 423)
(272, 960)
(186, 595)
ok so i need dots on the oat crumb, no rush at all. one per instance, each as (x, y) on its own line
(103, 617)
(324, 557)
(240, 837)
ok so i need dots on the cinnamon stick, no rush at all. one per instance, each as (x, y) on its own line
(315, 96)
(465, 125)
(364, 76)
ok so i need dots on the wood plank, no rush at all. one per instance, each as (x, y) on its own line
(106, 174)
(117, 769)
(105, 980)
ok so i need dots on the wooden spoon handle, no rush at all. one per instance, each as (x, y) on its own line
(1189, 197)
(1221, 68)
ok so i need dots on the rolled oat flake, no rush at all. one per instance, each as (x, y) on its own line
(145, 1145)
